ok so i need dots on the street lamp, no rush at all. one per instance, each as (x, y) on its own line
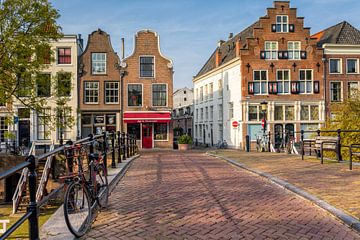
(263, 109)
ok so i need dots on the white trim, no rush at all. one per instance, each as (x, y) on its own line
(259, 81)
(357, 66)
(140, 56)
(91, 64)
(111, 81)
(167, 94)
(272, 50)
(293, 51)
(341, 91)
(57, 56)
(282, 23)
(142, 94)
(84, 95)
(307, 80)
(282, 81)
(167, 133)
(341, 67)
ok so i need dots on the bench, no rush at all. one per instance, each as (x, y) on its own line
(321, 144)
(354, 150)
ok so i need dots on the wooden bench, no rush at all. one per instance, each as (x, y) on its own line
(321, 144)
(354, 150)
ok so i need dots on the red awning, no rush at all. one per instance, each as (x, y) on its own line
(147, 117)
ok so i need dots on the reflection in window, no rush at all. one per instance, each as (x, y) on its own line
(134, 95)
(160, 131)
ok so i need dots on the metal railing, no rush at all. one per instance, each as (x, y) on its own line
(123, 144)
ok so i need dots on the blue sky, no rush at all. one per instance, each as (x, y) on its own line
(189, 29)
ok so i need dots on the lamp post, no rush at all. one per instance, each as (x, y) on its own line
(263, 110)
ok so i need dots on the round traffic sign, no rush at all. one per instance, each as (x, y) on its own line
(235, 124)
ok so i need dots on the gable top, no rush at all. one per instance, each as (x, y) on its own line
(228, 49)
(99, 32)
(341, 33)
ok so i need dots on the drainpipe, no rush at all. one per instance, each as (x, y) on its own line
(325, 87)
(122, 74)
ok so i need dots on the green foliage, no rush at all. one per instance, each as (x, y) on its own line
(185, 139)
(346, 118)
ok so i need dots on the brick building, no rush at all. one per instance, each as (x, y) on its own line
(148, 87)
(99, 86)
(183, 111)
(273, 60)
(341, 45)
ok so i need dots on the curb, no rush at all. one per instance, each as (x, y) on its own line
(347, 219)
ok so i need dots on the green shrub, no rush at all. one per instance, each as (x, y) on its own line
(185, 139)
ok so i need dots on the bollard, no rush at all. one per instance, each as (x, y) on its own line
(123, 145)
(302, 144)
(105, 150)
(269, 138)
(338, 150)
(119, 146)
(247, 143)
(113, 164)
(33, 219)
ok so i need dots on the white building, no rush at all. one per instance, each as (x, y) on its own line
(183, 111)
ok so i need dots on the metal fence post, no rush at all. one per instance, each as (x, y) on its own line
(105, 150)
(69, 153)
(302, 144)
(123, 145)
(91, 147)
(113, 164)
(269, 149)
(127, 146)
(33, 219)
(339, 155)
(119, 146)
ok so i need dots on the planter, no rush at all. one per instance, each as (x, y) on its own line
(184, 147)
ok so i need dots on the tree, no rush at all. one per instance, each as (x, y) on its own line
(27, 28)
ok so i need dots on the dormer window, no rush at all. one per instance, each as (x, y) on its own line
(282, 23)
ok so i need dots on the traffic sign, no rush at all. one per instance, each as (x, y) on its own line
(235, 124)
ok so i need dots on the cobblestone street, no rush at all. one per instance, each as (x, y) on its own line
(175, 195)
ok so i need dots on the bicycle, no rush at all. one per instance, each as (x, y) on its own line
(83, 195)
(222, 144)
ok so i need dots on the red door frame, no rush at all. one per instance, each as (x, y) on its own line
(147, 133)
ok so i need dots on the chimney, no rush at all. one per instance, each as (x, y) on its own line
(237, 48)
(231, 35)
(220, 42)
(122, 48)
(217, 57)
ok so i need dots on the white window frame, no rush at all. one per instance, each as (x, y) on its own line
(307, 81)
(331, 92)
(167, 93)
(293, 50)
(220, 88)
(261, 81)
(201, 94)
(211, 113)
(271, 51)
(154, 66)
(357, 66)
(98, 61)
(257, 113)
(349, 87)
(308, 107)
(92, 89)
(282, 23)
(220, 111)
(4, 127)
(231, 110)
(111, 89)
(211, 91)
(340, 67)
(283, 82)
(142, 95)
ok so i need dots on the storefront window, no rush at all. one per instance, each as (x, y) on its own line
(279, 114)
(289, 113)
(160, 131)
(134, 130)
(253, 113)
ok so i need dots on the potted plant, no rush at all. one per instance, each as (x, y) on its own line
(184, 142)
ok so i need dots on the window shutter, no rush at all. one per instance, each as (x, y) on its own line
(280, 54)
(295, 87)
(291, 28)
(251, 88)
(285, 55)
(316, 87)
(273, 27)
(262, 55)
(273, 87)
(303, 54)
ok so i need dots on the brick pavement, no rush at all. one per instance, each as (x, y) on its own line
(175, 195)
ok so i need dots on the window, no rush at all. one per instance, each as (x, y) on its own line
(134, 130)
(220, 111)
(221, 134)
(201, 114)
(206, 92)
(64, 84)
(91, 92)
(134, 95)
(196, 131)
(202, 94)
(294, 50)
(43, 120)
(352, 65)
(24, 112)
(211, 113)
(43, 85)
(220, 86)
(197, 114)
(289, 113)
(309, 112)
(271, 50)
(231, 110)
(306, 81)
(64, 122)
(98, 63)
(279, 113)
(160, 131)
(283, 78)
(335, 91)
(3, 128)
(43, 54)
(253, 113)
(197, 95)
(282, 23)
(25, 85)
(159, 94)
(353, 89)
(335, 65)
(111, 92)
(211, 91)
(64, 55)
(260, 82)
(146, 66)
(207, 113)
(184, 99)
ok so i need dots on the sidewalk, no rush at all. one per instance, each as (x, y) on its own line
(331, 182)
(55, 228)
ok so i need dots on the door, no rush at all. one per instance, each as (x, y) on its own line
(24, 132)
(147, 136)
(289, 131)
(278, 129)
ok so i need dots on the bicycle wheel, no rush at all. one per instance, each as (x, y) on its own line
(102, 186)
(77, 209)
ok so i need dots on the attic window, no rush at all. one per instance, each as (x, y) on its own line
(282, 23)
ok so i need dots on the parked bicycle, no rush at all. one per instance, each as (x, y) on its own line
(86, 191)
(222, 144)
